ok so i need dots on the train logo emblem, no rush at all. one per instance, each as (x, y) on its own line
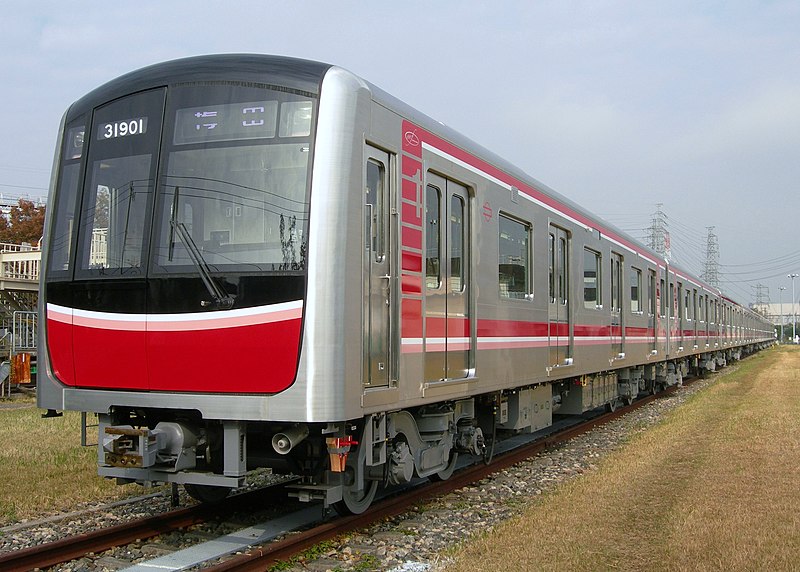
(487, 211)
(411, 138)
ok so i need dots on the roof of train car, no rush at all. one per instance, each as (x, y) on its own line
(298, 74)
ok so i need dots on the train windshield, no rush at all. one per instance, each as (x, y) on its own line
(188, 179)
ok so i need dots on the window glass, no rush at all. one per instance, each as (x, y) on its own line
(616, 282)
(241, 206)
(457, 244)
(433, 272)
(591, 279)
(66, 201)
(662, 292)
(114, 213)
(687, 304)
(295, 119)
(118, 190)
(375, 202)
(551, 249)
(562, 269)
(651, 292)
(514, 267)
(671, 301)
(636, 289)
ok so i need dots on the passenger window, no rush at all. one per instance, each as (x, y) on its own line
(433, 273)
(514, 267)
(686, 301)
(663, 305)
(636, 289)
(592, 298)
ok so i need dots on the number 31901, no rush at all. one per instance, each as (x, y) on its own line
(123, 128)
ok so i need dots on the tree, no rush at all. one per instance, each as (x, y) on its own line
(25, 223)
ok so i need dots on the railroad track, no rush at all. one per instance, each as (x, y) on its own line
(258, 557)
(70, 548)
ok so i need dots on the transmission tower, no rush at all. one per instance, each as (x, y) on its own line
(711, 268)
(762, 298)
(657, 235)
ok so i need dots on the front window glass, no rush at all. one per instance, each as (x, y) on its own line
(119, 185)
(241, 206)
(63, 225)
(114, 209)
(234, 184)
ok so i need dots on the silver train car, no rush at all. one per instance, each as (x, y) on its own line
(256, 261)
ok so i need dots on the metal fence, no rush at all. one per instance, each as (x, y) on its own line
(24, 332)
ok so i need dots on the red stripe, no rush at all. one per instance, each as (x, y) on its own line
(411, 191)
(59, 346)
(593, 331)
(436, 327)
(411, 214)
(264, 360)
(411, 284)
(511, 328)
(411, 167)
(411, 261)
(412, 237)
(411, 319)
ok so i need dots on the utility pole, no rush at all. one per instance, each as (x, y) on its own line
(793, 275)
(711, 270)
(780, 301)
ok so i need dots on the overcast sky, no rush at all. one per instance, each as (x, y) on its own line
(617, 105)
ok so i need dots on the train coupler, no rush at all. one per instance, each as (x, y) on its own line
(170, 444)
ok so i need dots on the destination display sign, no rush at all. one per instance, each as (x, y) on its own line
(228, 122)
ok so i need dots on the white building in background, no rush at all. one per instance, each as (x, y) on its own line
(773, 311)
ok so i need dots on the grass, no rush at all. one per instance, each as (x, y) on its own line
(714, 486)
(43, 468)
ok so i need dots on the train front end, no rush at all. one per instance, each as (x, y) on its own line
(176, 266)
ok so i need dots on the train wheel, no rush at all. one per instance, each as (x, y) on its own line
(206, 493)
(356, 502)
(447, 472)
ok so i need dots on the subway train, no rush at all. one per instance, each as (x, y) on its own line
(256, 261)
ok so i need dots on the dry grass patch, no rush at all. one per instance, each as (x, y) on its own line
(44, 469)
(714, 486)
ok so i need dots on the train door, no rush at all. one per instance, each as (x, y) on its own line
(377, 261)
(617, 327)
(560, 337)
(652, 298)
(681, 316)
(448, 328)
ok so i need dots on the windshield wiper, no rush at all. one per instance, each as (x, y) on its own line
(221, 298)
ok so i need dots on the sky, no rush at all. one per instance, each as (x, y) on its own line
(620, 106)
